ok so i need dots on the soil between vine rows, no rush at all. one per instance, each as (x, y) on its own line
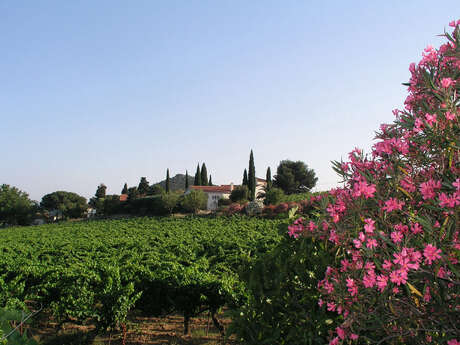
(140, 330)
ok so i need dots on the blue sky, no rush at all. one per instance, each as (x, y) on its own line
(109, 91)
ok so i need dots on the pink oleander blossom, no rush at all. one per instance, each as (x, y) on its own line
(393, 204)
(382, 281)
(352, 288)
(371, 243)
(431, 253)
(369, 227)
(340, 332)
(447, 82)
(396, 236)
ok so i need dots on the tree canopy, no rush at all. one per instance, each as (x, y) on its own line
(143, 186)
(15, 206)
(70, 204)
(294, 177)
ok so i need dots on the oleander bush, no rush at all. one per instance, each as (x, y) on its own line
(395, 223)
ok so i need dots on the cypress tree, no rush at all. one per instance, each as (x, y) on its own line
(252, 178)
(186, 179)
(269, 179)
(125, 189)
(204, 175)
(167, 180)
(210, 180)
(245, 178)
(197, 181)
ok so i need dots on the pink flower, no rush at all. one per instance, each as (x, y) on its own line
(427, 296)
(352, 288)
(354, 336)
(331, 306)
(430, 119)
(393, 204)
(382, 282)
(456, 184)
(396, 236)
(387, 265)
(334, 341)
(446, 82)
(357, 243)
(369, 280)
(431, 253)
(450, 116)
(340, 332)
(371, 243)
(446, 201)
(428, 188)
(453, 342)
(398, 277)
(416, 228)
(369, 227)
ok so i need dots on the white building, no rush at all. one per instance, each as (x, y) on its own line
(214, 193)
(223, 192)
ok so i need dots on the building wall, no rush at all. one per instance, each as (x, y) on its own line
(213, 199)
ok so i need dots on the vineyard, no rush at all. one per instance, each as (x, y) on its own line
(97, 272)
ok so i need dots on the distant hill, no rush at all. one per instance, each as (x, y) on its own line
(177, 182)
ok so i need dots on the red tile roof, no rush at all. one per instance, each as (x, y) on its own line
(213, 189)
(123, 197)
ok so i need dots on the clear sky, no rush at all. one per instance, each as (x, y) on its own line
(108, 91)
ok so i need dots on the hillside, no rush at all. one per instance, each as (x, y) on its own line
(177, 182)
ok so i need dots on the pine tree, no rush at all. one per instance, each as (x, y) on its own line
(252, 178)
(186, 179)
(100, 192)
(167, 180)
(197, 181)
(143, 186)
(125, 189)
(210, 180)
(269, 179)
(204, 175)
(245, 177)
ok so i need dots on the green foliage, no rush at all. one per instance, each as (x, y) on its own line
(112, 205)
(282, 307)
(7, 319)
(194, 201)
(239, 194)
(274, 196)
(210, 181)
(170, 201)
(186, 180)
(100, 192)
(97, 271)
(197, 181)
(133, 193)
(204, 175)
(70, 204)
(15, 206)
(156, 189)
(143, 186)
(252, 178)
(224, 202)
(294, 177)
